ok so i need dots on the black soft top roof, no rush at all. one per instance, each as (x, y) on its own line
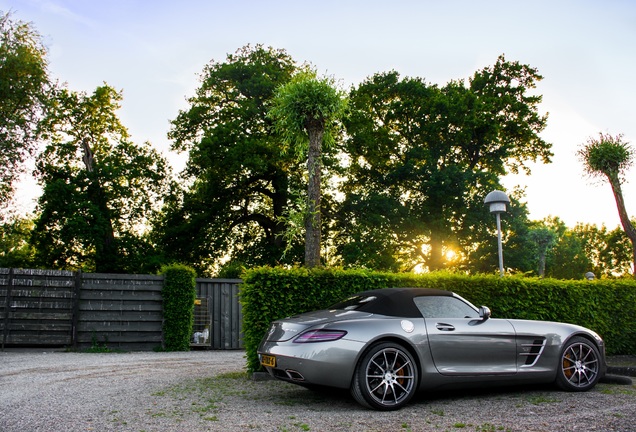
(396, 302)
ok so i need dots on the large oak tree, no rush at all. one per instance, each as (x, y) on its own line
(422, 158)
(99, 188)
(238, 185)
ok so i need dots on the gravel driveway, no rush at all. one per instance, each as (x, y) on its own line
(209, 391)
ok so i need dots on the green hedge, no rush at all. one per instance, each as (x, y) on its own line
(605, 306)
(178, 293)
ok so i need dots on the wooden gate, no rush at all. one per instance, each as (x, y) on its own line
(226, 330)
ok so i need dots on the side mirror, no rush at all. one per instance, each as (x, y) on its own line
(484, 313)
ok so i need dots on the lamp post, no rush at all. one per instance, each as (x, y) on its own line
(497, 200)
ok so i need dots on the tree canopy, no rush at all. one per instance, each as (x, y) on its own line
(99, 188)
(24, 88)
(422, 157)
(238, 185)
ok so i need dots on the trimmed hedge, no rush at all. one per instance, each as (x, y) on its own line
(605, 306)
(178, 293)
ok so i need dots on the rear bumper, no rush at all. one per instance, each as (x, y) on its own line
(329, 364)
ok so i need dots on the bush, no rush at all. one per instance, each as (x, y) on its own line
(605, 306)
(179, 293)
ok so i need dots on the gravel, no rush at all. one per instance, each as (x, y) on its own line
(209, 391)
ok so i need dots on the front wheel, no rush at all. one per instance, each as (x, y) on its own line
(579, 366)
(386, 378)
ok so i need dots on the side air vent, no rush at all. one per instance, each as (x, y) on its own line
(532, 351)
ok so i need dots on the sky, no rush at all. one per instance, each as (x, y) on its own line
(154, 51)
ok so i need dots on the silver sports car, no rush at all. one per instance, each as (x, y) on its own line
(385, 345)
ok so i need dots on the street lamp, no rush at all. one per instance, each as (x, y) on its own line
(497, 201)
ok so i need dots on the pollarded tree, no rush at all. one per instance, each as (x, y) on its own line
(24, 86)
(99, 188)
(307, 111)
(610, 157)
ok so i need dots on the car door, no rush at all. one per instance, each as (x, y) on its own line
(462, 343)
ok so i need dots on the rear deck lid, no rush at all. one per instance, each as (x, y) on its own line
(288, 328)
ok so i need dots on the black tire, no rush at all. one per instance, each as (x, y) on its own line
(579, 365)
(386, 378)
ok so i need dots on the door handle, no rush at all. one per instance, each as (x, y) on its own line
(444, 327)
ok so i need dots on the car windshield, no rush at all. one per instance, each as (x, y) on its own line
(353, 303)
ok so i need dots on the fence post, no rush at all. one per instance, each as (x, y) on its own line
(7, 311)
(76, 309)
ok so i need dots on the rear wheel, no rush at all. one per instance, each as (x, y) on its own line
(386, 378)
(579, 365)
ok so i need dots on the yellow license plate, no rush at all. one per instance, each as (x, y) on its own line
(268, 360)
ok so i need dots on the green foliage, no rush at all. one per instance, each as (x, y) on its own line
(240, 183)
(99, 189)
(607, 156)
(97, 346)
(306, 112)
(15, 250)
(231, 270)
(178, 293)
(425, 156)
(305, 103)
(606, 307)
(24, 87)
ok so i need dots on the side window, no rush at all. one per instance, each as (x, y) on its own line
(444, 307)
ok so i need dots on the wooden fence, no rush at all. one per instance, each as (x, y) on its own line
(79, 310)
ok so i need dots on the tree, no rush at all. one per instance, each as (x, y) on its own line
(610, 157)
(306, 112)
(608, 252)
(15, 250)
(544, 239)
(615, 257)
(24, 87)
(239, 185)
(99, 188)
(430, 154)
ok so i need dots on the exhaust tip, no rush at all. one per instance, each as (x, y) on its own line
(294, 375)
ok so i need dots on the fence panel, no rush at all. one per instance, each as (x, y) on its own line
(120, 311)
(36, 307)
(63, 308)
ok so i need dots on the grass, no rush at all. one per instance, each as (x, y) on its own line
(541, 399)
(285, 406)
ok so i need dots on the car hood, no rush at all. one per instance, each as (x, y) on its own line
(288, 328)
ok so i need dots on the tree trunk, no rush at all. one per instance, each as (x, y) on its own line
(436, 253)
(629, 229)
(279, 202)
(312, 218)
(106, 254)
(541, 269)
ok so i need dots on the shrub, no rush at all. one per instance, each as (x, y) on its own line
(179, 293)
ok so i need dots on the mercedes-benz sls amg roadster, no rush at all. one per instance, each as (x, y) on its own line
(385, 345)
